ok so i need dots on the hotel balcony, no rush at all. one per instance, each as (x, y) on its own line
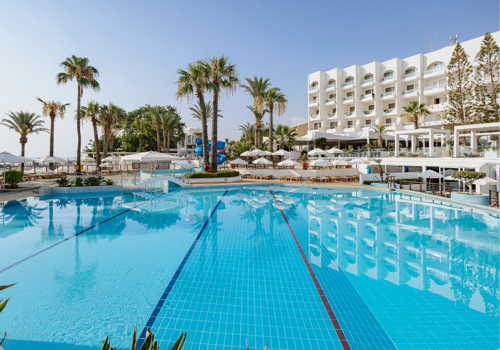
(370, 113)
(435, 89)
(313, 89)
(312, 103)
(330, 102)
(410, 93)
(348, 85)
(348, 99)
(366, 98)
(387, 80)
(436, 108)
(332, 116)
(366, 126)
(349, 128)
(388, 96)
(435, 72)
(331, 87)
(314, 116)
(409, 77)
(350, 114)
(332, 131)
(389, 111)
(367, 82)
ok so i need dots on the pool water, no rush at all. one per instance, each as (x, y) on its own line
(295, 268)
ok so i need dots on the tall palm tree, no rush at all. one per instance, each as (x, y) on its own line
(91, 113)
(169, 122)
(208, 110)
(285, 136)
(78, 68)
(256, 88)
(194, 82)
(258, 123)
(380, 130)
(155, 113)
(248, 132)
(53, 109)
(110, 114)
(119, 121)
(223, 76)
(414, 112)
(274, 101)
(24, 123)
(104, 120)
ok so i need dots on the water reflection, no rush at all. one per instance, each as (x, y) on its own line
(15, 216)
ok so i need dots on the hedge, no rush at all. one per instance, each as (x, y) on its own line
(13, 177)
(221, 173)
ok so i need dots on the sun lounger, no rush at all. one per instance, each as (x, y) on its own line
(245, 176)
(313, 179)
(266, 177)
(296, 178)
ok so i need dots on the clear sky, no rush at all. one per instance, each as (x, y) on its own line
(139, 45)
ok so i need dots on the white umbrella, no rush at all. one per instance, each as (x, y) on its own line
(39, 170)
(238, 161)
(262, 161)
(321, 162)
(193, 130)
(150, 156)
(486, 181)
(288, 162)
(245, 154)
(316, 151)
(267, 153)
(430, 174)
(282, 152)
(49, 159)
(334, 150)
(358, 161)
(110, 159)
(257, 152)
(342, 162)
(6, 157)
(86, 158)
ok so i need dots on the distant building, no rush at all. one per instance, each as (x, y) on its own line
(300, 130)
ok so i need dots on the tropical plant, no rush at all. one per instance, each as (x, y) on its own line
(3, 304)
(13, 177)
(155, 113)
(208, 109)
(93, 180)
(223, 76)
(414, 113)
(258, 124)
(91, 113)
(379, 161)
(285, 136)
(119, 120)
(170, 121)
(248, 132)
(78, 68)
(109, 182)
(63, 182)
(24, 123)
(380, 130)
(256, 88)
(53, 109)
(274, 101)
(78, 182)
(149, 343)
(194, 82)
(321, 143)
(487, 88)
(459, 90)
(468, 177)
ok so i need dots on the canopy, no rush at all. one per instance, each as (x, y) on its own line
(267, 153)
(193, 130)
(245, 154)
(486, 181)
(257, 152)
(150, 156)
(430, 174)
(342, 162)
(334, 150)
(262, 161)
(238, 161)
(358, 161)
(86, 158)
(110, 159)
(321, 162)
(288, 162)
(6, 157)
(281, 152)
(316, 151)
(49, 159)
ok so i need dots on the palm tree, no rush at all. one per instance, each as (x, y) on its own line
(53, 109)
(91, 113)
(414, 112)
(78, 68)
(274, 100)
(208, 109)
(191, 82)
(258, 124)
(119, 121)
(156, 116)
(256, 88)
(169, 122)
(104, 118)
(223, 76)
(248, 132)
(24, 123)
(380, 129)
(109, 115)
(285, 136)
(379, 161)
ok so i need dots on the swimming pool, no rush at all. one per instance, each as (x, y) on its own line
(298, 268)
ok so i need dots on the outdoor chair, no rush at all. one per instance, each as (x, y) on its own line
(295, 178)
(313, 179)
(266, 177)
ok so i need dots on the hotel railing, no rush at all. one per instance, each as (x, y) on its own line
(330, 100)
(409, 75)
(494, 198)
(437, 86)
(368, 81)
(443, 190)
(385, 94)
(407, 92)
(434, 70)
(330, 86)
(348, 84)
(388, 78)
(313, 102)
(314, 88)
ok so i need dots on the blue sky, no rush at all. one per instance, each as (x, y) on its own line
(138, 47)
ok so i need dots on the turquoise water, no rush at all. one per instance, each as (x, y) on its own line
(258, 264)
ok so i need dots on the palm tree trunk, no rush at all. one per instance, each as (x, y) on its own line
(51, 147)
(78, 131)
(213, 153)
(271, 129)
(107, 129)
(158, 140)
(380, 141)
(165, 141)
(96, 141)
(415, 122)
(23, 144)
(111, 142)
(204, 131)
(169, 134)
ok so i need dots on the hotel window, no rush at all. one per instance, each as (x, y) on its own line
(349, 80)
(317, 112)
(350, 124)
(391, 105)
(317, 126)
(368, 92)
(388, 121)
(314, 98)
(388, 74)
(411, 71)
(334, 111)
(368, 122)
(332, 96)
(368, 77)
(350, 94)
(314, 84)
(371, 107)
(351, 109)
(389, 89)
(411, 87)
(333, 125)
(438, 66)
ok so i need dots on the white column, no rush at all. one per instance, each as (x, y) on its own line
(413, 143)
(473, 141)
(431, 143)
(455, 144)
(396, 145)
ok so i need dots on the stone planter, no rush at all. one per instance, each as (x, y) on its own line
(471, 199)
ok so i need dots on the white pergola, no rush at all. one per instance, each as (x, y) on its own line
(414, 134)
(474, 129)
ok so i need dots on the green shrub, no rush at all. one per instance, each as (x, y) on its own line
(149, 343)
(63, 182)
(78, 182)
(220, 173)
(109, 182)
(93, 180)
(320, 143)
(13, 177)
(468, 177)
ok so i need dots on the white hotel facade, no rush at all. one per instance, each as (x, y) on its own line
(350, 101)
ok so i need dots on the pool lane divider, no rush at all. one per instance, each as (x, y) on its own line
(326, 303)
(161, 302)
(72, 236)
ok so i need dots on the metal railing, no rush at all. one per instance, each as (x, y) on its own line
(437, 86)
(314, 88)
(330, 100)
(385, 94)
(435, 70)
(330, 86)
(152, 168)
(443, 190)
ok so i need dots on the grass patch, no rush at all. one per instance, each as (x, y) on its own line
(220, 173)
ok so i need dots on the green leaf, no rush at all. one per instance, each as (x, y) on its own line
(5, 287)
(134, 339)
(179, 344)
(2, 305)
